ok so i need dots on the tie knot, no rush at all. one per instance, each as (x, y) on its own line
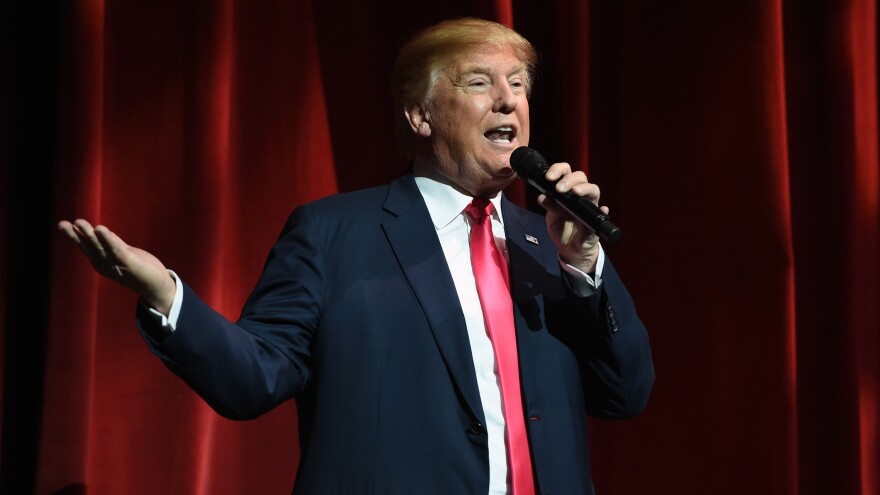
(479, 208)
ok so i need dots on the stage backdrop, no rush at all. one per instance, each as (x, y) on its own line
(735, 141)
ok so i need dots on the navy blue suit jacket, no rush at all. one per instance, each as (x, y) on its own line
(356, 316)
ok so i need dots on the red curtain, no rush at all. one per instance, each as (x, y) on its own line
(735, 141)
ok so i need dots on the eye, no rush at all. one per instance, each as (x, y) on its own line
(478, 83)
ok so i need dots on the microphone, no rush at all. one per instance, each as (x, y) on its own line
(531, 167)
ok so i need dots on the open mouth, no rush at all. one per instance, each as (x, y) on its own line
(501, 135)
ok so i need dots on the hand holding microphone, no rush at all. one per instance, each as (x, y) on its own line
(532, 167)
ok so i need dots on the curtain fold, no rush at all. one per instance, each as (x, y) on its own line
(736, 143)
(864, 271)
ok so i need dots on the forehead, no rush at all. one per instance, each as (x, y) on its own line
(488, 57)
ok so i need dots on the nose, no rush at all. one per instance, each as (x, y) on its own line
(505, 99)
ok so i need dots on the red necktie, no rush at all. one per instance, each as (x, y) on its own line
(493, 286)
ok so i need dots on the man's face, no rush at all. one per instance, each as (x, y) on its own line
(478, 115)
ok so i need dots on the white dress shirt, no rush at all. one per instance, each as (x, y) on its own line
(446, 207)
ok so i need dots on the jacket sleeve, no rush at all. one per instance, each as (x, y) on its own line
(244, 369)
(613, 349)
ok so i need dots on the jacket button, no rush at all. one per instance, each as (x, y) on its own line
(476, 429)
(612, 319)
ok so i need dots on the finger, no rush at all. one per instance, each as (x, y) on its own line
(90, 240)
(570, 181)
(115, 247)
(569, 229)
(67, 228)
(91, 246)
(587, 190)
(82, 224)
(557, 170)
(547, 203)
(78, 234)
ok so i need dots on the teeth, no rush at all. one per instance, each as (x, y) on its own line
(501, 135)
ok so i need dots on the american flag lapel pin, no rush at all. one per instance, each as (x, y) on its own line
(532, 239)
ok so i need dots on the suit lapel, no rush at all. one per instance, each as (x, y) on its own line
(527, 269)
(530, 251)
(414, 241)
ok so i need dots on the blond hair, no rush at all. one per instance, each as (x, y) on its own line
(434, 50)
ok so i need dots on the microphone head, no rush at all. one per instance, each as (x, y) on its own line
(526, 162)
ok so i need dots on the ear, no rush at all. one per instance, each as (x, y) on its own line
(419, 119)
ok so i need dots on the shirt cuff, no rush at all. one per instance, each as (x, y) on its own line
(582, 284)
(169, 322)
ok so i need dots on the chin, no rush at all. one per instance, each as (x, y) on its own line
(506, 173)
(505, 177)
(502, 167)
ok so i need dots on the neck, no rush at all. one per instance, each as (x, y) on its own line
(427, 167)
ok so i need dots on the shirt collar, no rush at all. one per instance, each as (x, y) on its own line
(445, 203)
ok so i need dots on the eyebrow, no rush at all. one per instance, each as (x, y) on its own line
(487, 70)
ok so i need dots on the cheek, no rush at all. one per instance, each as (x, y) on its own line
(525, 127)
(468, 115)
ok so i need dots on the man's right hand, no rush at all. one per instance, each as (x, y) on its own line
(134, 268)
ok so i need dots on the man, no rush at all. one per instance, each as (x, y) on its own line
(420, 363)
